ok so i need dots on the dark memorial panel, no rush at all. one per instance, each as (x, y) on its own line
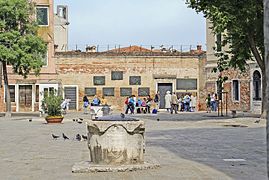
(99, 80)
(125, 91)
(90, 91)
(108, 91)
(186, 84)
(135, 80)
(143, 91)
(117, 75)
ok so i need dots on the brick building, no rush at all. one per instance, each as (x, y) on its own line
(127, 71)
(243, 89)
(27, 94)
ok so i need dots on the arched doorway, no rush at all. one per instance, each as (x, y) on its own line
(257, 86)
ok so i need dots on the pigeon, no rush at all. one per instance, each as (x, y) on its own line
(65, 137)
(30, 120)
(78, 137)
(257, 121)
(55, 136)
(81, 119)
(84, 137)
(79, 122)
(122, 115)
(74, 120)
(158, 119)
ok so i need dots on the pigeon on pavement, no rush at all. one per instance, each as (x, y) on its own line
(55, 136)
(78, 137)
(65, 137)
(84, 137)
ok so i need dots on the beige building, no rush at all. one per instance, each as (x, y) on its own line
(118, 74)
(27, 94)
(243, 89)
(61, 28)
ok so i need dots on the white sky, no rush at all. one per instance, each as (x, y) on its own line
(133, 22)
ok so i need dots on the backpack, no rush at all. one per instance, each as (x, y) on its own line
(154, 111)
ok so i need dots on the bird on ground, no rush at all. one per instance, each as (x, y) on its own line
(79, 122)
(84, 137)
(30, 120)
(158, 119)
(78, 137)
(81, 119)
(55, 136)
(65, 137)
(74, 120)
(257, 121)
(122, 115)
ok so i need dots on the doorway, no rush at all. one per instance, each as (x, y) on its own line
(163, 88)
(25, 98)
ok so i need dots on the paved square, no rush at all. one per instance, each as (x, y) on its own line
(187, 145)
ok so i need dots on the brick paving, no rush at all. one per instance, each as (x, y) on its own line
(187, 145)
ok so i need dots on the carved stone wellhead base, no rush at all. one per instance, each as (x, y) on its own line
(116, 143)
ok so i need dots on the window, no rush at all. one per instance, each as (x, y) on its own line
(143, 91)
(256, 86)
(236, 90)
(99, 80)
(186, 84)
(90, 91)
(12, 93)
(125, 91)
(218, 42)
(108, 91)
(116, 75)
(42, 15)
(135, 80)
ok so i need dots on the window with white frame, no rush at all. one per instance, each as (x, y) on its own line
(236, 90)
(42, 15)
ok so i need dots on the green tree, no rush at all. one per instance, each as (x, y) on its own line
(20, 46)
(241, 24)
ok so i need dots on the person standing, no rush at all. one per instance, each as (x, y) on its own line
(85, 104)
(157, 99)
(167, 99)
(208, 103)
(174, 103)
(193, 103)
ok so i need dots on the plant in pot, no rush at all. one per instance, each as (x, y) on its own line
(51, 105)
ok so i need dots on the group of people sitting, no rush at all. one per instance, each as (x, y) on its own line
(141, 105)
(175, 103)
(96, 101)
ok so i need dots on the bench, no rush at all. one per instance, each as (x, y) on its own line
(142, 108)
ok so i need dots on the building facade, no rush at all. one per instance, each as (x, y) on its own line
(27, 94)
(117, 75)
(61, 28)
(242, 91)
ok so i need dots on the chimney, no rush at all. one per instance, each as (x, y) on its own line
(199, 47)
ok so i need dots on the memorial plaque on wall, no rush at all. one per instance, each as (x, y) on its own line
(125, 91)
(108, 91)
(186, 84)
(117, 75)
(143, 91)
(90, 91)
(99, 80)
(135, 80)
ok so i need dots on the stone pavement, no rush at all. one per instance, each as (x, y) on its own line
(187, 145)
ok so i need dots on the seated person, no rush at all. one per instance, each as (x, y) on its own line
(103, 101)
(95, 101)
(144, 104)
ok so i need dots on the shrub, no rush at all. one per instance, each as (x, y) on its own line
(51, 104)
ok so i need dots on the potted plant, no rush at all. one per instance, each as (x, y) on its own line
(51, 104)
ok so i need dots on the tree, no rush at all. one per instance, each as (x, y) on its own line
(241, 24)
(20, 45)
(266, 44)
